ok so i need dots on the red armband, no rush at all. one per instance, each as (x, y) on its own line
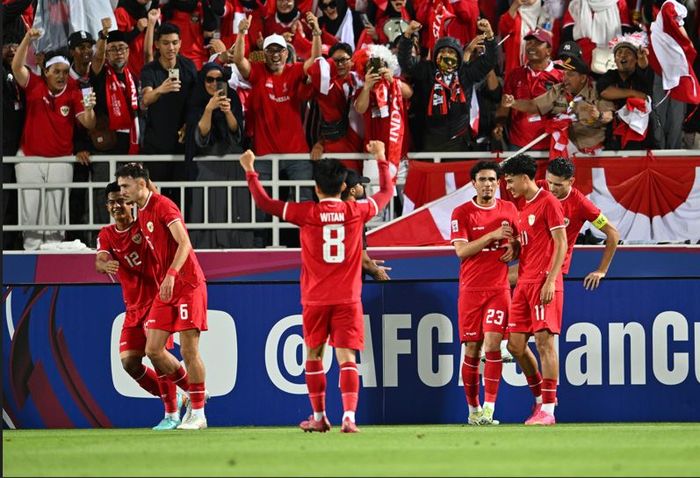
(172, 272)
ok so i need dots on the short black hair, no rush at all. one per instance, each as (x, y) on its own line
(562, 167)
(340, 46)
(112, 187)
(485, 165)
(520, 164)
(167, 29)
(329, 175)
(133, 170)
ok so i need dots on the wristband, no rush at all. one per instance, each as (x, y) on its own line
(172, 272)
(101, 35)
(317, 33)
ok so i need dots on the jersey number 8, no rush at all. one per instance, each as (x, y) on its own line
(333, 236)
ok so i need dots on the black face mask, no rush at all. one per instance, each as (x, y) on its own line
(287, 17)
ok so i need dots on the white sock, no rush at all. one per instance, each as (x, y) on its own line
(173, 416)
(538, 399)
(198, 413)
(548, 408)
(350, 415)
(476, 409)
(490, 405)
(318, 416)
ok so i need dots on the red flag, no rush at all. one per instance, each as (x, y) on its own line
(427, 182)
(671, 53)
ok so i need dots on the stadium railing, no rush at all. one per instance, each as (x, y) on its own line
(275, 184)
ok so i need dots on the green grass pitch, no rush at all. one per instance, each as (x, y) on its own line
(648, 449)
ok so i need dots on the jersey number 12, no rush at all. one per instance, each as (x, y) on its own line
(333, 246)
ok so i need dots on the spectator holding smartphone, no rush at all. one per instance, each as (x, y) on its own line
(215, 128)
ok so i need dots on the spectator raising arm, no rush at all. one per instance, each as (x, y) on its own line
(98, 59)
(19, 70)
(239, 58)
(153, 17)
(316, 44)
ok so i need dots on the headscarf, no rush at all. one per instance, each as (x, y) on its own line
(332, 26)
(197, 104)
(134, 8)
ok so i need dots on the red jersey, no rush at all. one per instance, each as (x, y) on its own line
(483, 271)
(577, 210)
(537, 219)
(48, 130)
(524, 83)
(191, 34)
(137, 269)
(155, 218)
(274, 107)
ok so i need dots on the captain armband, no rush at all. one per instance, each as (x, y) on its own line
(600, 221)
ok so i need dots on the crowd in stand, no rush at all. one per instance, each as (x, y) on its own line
(214, 77)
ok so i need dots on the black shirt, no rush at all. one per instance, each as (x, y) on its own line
(167, 115)
(641, 80)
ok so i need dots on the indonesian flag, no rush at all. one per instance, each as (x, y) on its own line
(474, 112)
(634, 120)
(558, 129)
(426, 182)
(439, 15)
(428, 225)
(671, 53)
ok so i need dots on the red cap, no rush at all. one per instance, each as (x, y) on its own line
(541, 35)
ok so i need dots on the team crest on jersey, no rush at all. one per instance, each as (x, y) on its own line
(137, 238)
(455, 226)
(566, 222)
(65, 110)
(531, 219)
(149, 226)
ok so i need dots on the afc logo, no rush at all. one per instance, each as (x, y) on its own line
(455, 226)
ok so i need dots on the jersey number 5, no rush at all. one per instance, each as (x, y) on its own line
(333, 247)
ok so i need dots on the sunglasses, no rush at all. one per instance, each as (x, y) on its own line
(212, 79)
(324, 6)
(341, 61)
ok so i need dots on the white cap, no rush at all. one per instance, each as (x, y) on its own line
(274, 39)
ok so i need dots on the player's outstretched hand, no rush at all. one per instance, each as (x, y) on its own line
(109, 267)
(592, 280)
(380, 273)
(247, 160)
(377, 149)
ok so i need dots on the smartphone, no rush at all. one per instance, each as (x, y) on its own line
(86, 95)
(374, 64)
(365, 20)
(216, 35)
(222, 88)
(174, 73)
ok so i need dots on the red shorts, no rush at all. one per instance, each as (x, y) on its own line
(528, 315)
(481, 312)
(343, 322)
(186, 310)
(132, 338)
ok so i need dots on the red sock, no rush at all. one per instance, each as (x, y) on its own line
(197, 395)
(549, 390)
(168, 393)
(535, 384)
(316, 383)
(470, 377)
(179, 378)
(148, 380)
(492, 375)
(349, 385)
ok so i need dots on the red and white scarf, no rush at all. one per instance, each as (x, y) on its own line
(387, 102)
(438, 95)
(122, 105)
(439, 15)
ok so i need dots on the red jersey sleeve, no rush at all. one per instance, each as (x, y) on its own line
(262, 200)
(458, 227)
(386, 187)
(297, 212)
(590, 211)
(554, 214)
(103, 242)
(168, 213)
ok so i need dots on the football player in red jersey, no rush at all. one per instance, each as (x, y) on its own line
(483, 232)
(122, 250)
(536, 308)
(181, 302)
(331, 283)
(577, 210)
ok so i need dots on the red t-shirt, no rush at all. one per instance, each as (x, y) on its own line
(155, 218)
(48, 129)
(577, 210)
(274, 107)
(537, 219)
(191, 34)
(126, 23)
(484, 270)
(137, 268)
(525, 84)
(331, 248)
